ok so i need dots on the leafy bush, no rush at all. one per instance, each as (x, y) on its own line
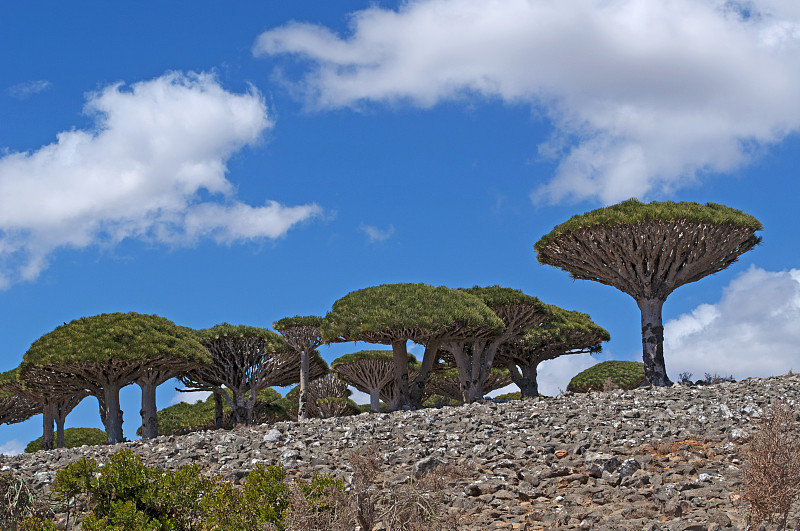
(73, 438)
(125, 494)
(623, 374)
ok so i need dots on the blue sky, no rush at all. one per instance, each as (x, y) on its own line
(262, 159)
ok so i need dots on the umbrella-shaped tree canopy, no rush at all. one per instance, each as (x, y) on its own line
(109, 351)
(393, 314)
(647, 251)
(369, 371)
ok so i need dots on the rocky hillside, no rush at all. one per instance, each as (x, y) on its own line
(652, 458)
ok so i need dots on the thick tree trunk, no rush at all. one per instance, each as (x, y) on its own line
(47, 425)
(528, 386)
(113, 413)
(60, 417)
(655, 372)
(374, 400)
(239, 410)
(400, 355)
(428, 359)
(149, 411)
(217, 410)
(302, 406)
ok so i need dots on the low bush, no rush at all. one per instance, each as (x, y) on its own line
(73, 438)
(623, 375)
(772, 468)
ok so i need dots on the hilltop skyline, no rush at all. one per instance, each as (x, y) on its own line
(257, 161)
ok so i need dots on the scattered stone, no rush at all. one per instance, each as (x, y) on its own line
(651, 458)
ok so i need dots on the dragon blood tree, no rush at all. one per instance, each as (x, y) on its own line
(106, 352)
(647, 251)
(371, 372)
(302, 334)
(446, 382)
(393, 314)
(474, 355)
(567, 333)
(244, 359)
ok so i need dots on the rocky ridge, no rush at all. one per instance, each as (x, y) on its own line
(651, 458)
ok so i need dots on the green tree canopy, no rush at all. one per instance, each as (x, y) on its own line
(109, 351)
(393, 314)
(648, 251)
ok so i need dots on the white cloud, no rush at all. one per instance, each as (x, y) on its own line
(357, 396)
(155, 148)
(12, 447)
(190, 397)
(22, 91)
(374, 234)
(752, 331)
(644, 97)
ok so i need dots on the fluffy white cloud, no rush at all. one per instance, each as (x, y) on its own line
(752, 331)
(644, 97)
(139, 173)
(12, 447)
(374, 234)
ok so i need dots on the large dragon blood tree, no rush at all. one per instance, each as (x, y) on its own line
(568, 332)
(303, 335)
(393, 314)
(106, 352)
(244, 360)
(474, 355)
(647, 251)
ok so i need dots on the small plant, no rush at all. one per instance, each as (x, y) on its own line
(609, 385)
(772, 467)
(711, 379)
(685, 378)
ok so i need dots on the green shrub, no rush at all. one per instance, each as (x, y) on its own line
(437, 401)
(509, 396)
(263, 499)
(73, 438)
(623, 375)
